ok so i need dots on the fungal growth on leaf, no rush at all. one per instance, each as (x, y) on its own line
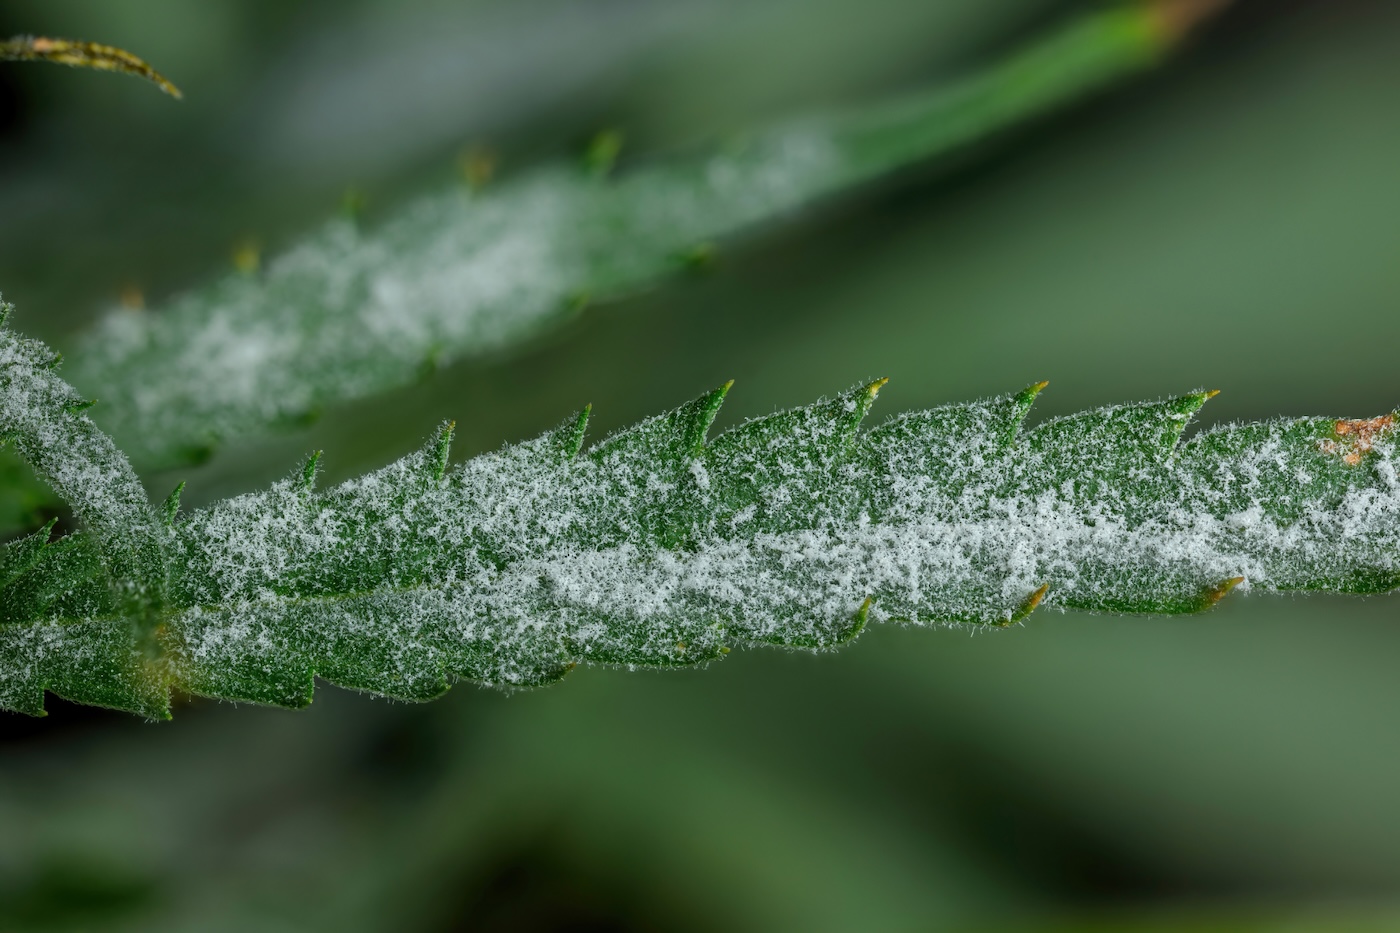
(662, 546)
(352, 310)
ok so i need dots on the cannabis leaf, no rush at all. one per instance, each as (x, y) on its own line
(660, 546)
(349, 312)
(83, 55)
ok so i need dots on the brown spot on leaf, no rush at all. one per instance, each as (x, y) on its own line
(1355, 439)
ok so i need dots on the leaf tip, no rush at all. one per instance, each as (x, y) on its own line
(1029, 605)
(573, 439)
(577, 301)
(352, 204)
(171, 506)
(247, 256)
(442, 449)
(478, 166)
(1028, 394)
(601, 156)
(308, 472)
(698, 257)
(858, 621)
(1217, 593)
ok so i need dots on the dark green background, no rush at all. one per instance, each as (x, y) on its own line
(1230, 221)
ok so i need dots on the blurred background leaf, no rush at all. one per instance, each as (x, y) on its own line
(1231, 772)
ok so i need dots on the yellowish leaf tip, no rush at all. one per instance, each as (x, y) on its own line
(1216, 595)
(603, 152)
(478, 166)
(247, 256)
(1027, 607)
(1028, 394)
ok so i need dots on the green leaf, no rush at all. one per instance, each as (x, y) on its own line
(349, 312)
(115, 570)
(661, 547)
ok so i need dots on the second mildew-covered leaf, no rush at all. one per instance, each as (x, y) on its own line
(348, 312)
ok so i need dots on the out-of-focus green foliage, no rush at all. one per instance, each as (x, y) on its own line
(1235, 772)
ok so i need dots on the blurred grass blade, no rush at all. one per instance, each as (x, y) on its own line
(83, 55)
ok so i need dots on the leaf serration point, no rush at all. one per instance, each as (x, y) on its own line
(1026, 396)
(602, 153)
(1029, 606)
(308, 472)
(1218, 593)
(171, 507)
(442, 449)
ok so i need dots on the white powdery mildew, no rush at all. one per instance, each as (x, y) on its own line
(42, 417)
(348, 313)
(648, 551)
(88, 661)
(657, 547)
